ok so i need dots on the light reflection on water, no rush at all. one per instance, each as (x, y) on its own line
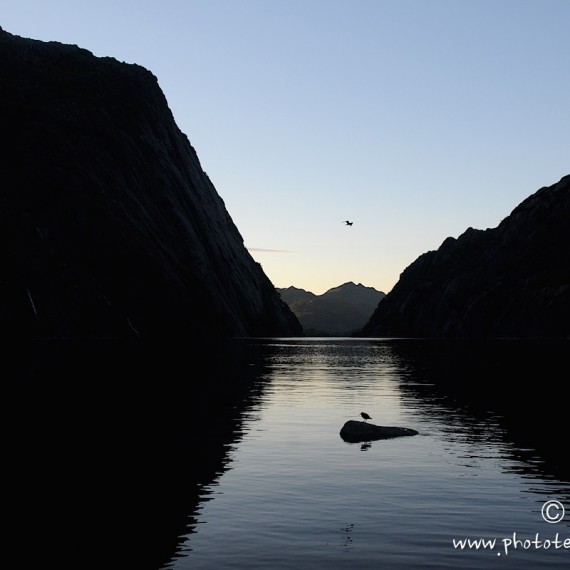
(295, 495)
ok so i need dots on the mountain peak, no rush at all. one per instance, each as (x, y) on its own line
(112, 222)
(507, 282)
(340, 311)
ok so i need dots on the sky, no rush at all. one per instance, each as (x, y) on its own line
(414, 119)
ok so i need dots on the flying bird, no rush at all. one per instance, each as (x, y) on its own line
(348, 223)
(365, 416)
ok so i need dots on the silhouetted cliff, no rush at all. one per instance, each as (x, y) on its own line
(108, 224)
(338, 312)
(512, 281)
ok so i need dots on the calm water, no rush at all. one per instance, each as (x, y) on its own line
(133, 457)
(290, 493)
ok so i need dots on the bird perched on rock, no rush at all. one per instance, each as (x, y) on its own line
(365, 416)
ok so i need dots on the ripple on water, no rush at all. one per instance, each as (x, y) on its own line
(294, 495)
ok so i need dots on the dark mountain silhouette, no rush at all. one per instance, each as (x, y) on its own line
(337, 312)
(512, 281)
(109, 227)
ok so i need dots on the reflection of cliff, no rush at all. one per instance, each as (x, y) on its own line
(112, 442)
(516, 383)
(109, 227)
(512, 281)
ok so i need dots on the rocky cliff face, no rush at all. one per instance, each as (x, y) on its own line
(108, 224)
(511, 281)
(340, 311)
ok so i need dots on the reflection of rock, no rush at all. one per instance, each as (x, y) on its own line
(354, 432)
(79, 441)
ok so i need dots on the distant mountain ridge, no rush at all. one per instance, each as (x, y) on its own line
(340, 311)
(512, 281)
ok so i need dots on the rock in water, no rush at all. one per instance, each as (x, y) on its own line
(109, 226)
(354, 432)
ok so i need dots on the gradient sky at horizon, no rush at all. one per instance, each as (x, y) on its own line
(415, 119)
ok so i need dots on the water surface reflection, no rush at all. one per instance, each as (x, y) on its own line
(293, 485)
(111, 444)
(130, 456)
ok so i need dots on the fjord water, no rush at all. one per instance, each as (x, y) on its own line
(219, 455)
(290, 493)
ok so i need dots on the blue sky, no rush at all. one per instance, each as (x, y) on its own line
(415, 119)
